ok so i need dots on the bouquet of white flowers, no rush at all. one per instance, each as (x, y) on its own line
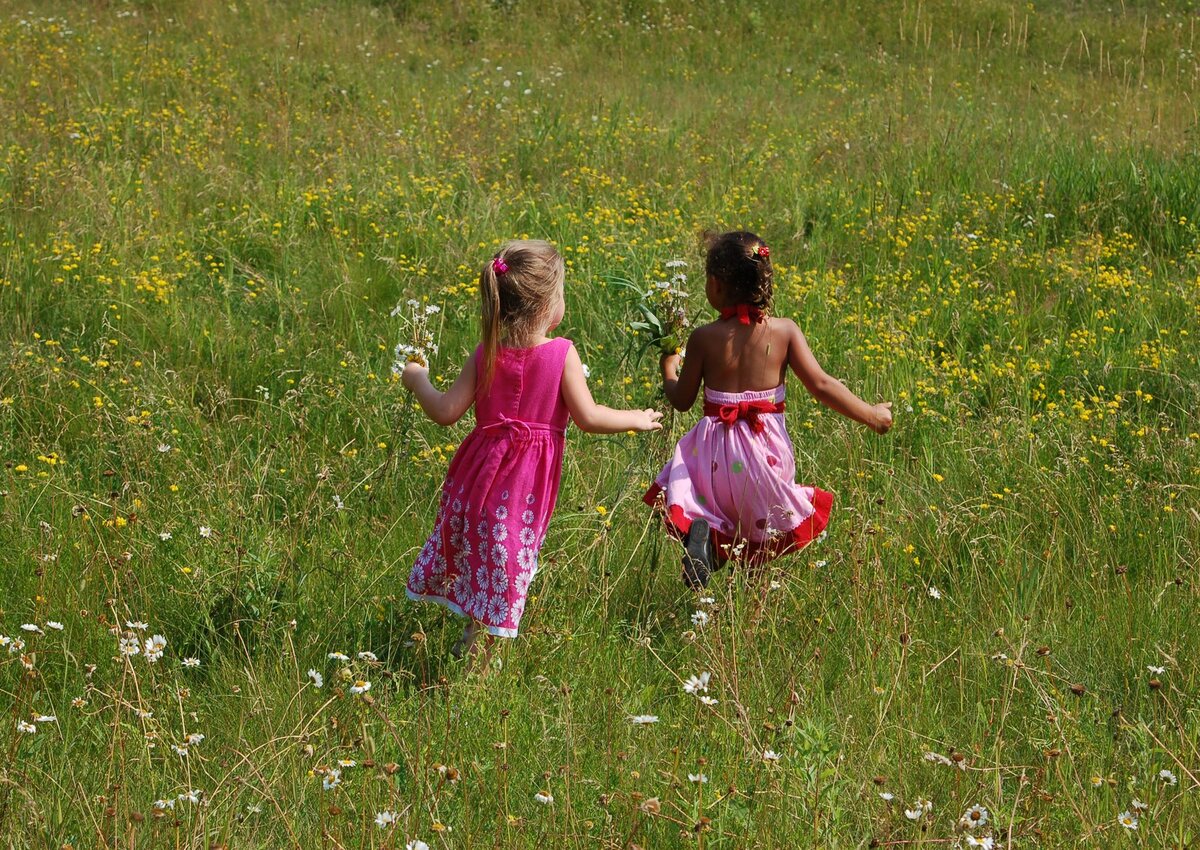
(419, 340)
(663, 310)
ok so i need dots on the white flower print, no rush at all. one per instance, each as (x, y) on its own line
(499, 580)
(416, 578)
(499, 532)
(529, 500)
(479, 602)
(527, 558)
(462, 586)
(527, 536)
(439, 565)
(497, 611)
(527, 517)
(466, 547)
(522, 581)
(457, 508)
(462, 563)
(482, 577)
(504, 496)
(517, 609)
(500, 554)
(502, 513)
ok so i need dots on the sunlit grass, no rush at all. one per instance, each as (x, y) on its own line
(986, 213)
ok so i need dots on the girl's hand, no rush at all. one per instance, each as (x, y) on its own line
(414, 375)
(647, 420)
(882, 420)
(669, 364)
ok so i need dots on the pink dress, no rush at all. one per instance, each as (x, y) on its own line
(736, 470)
(499, 493)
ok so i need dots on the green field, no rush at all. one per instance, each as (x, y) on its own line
(987, 212)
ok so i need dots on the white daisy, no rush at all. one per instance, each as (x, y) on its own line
(416, 844)
(544, 797)
(1167, 777)
(887, 796)
(974, 817)
(205, 531)
(987, 842)
(1157, 671)
(696, 684)
(771, 756)
(164, 536)
(26, 727)
(54, 624)
(317, 679)
(934, 593)
(643, 719)
(383, 820)
(698, 778)
(339, 656)
(33, 628)
(332, 779)
(700, 619)
(1127, 820)
(190, 662)
(360, 687)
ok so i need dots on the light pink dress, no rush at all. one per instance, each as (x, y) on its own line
(499, 493)
(742, 481)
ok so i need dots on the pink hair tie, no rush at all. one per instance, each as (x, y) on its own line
(499, 266)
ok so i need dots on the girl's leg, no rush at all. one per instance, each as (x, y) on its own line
(466, 643)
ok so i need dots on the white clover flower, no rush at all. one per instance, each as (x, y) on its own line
(317, 679)
(383, 820)
(544, 797)
(643, 719)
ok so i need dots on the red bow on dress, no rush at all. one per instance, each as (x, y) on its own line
(746, 313)
(748, 410)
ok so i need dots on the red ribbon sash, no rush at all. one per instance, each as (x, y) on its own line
(747, 410)
(745, 313)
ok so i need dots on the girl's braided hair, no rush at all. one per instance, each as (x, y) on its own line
(742, 262)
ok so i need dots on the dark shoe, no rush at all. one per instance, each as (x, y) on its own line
(698, 555)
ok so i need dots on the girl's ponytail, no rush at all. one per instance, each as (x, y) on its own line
(489, 317)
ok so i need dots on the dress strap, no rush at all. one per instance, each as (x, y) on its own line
(731, 412)
(746, 314)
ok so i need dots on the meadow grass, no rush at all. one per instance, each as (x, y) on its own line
(985, 212)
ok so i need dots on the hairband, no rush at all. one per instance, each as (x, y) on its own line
(498, 265)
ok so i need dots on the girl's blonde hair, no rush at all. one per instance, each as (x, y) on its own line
(516, 291)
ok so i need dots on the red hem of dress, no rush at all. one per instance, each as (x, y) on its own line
(806, 532)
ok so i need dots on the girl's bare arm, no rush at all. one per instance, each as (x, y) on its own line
(596, 418)
(681, 389)
(444, 408)
(829, 390)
